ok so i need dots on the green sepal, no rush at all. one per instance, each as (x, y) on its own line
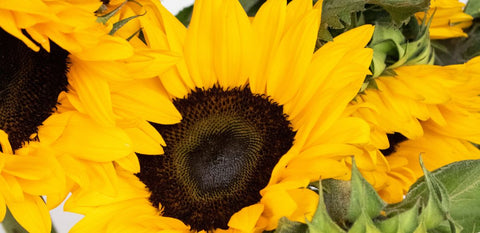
(404, 222)
(287, 226)
(454, 188)
(392, 49)
(364, 224)
(418, 51)
(321, 221)
(363, 198)
(438, 203)
(251, 6)
(185, 15)
(387, 41)
(443, 201)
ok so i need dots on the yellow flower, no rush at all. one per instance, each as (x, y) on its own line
(448, 19)
(51, 46)
(25, 175)
(424, 109)
(261, 118)
(103, 115)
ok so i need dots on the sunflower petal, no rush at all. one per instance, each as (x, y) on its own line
(36, 219)
(246, 218)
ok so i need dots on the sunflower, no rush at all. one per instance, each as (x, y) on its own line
(64, 83)
(100, 118)
(261, 118)
(448, 19)
(34, 68)
(424, 109)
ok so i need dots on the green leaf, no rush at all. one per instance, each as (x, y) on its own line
(473, 8)
(461, 184)
(337, 14)
(402, 10)
(287, 226)
(185, 15)
(364, 198)
(321, 221)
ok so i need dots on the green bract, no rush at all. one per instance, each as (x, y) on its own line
(445, 200)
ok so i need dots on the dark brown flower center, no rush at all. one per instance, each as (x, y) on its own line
(29, 86)
(218, 157)
(394, 139)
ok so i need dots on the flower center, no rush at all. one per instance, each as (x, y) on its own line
(394, 139)
(218, 157)
(29, 86)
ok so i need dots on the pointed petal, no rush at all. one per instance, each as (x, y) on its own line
(268, 26)
(87, 140)
(93, 92)
(199, 45)
(31, 214)
(246, 218)
(288, 66)
(233, 40)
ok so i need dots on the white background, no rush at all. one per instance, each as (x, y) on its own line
(63, 221)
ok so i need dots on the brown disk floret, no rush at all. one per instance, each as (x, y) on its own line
(218, 157)
(29, 86)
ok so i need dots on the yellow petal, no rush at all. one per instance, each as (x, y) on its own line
(233, 43)
(246, 219)
(142, 143)
(53, 127)
(130, 163)
(87, 140)
(289, 64)
(31, 214)
(268, 26)
(108, 48)
(3, 208)
(307, 202)
(93, 92)
(277, 204)
(146, 100)
(344, 130)
(199, 43)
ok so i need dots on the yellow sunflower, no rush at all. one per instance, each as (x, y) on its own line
(261, 118)
(448, 19)
(424, 109)
(34, 39)
(103, 115)
(49, 47)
